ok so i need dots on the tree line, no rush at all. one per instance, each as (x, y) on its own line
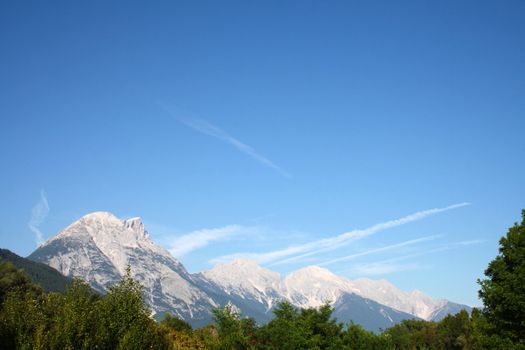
(82, 319)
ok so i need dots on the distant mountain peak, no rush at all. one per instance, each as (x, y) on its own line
(105, 229)
(417, 292)
(244, 276)
(99, 246)
(99, 215)
(134, 222)
(237, 263)
(244, 262)
(102, 217)
(314, 271)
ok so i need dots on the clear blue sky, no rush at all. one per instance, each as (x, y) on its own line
(254, 126)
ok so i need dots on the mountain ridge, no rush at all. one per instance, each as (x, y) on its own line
(45, 276)
(99, 246)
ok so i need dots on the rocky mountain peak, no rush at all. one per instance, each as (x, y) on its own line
(99, 246)
(243, 274)
(99, 216)
(312, 272)
(136, 225)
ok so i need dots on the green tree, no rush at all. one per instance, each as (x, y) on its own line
(355, 337)
(78, 319)
(22, 319)
(230, 329)
(483, 336)
(283, 331)
(455, 331)
(503, 292)
(207, 337)
(180, 333)
(20, 312)
(413, 334)
(12, 278)
(309, 328)
(75, 326)
(124, 319)
(325, 332)
(175, 324)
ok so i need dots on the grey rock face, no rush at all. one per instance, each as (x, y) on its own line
(98, 248)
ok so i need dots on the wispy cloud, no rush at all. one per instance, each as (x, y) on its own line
(442, 248)
(184, 244)
(209, 129)
(379, 250)
(392, 265)
(297, 252)
(345, 238)
(38, 214)
(471, 242)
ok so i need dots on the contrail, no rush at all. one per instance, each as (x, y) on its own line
(379, 250)
(209, 129)
(345, 238)
(297, 252)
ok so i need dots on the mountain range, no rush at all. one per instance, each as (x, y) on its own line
(99, 246)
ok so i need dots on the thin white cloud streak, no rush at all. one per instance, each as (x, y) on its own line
(294, 253)
(189, 242)
(38, 215)
(384, 267)
(380, 250)
(474, 241)
(446, 247)
(345, 238)
(209, 129)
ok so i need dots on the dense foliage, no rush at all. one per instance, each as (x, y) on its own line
(78, 319)
(503, 292)
(81, 319)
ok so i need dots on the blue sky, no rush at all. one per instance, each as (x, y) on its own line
(295, 133)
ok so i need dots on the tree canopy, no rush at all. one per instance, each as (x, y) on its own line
(503, 292)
